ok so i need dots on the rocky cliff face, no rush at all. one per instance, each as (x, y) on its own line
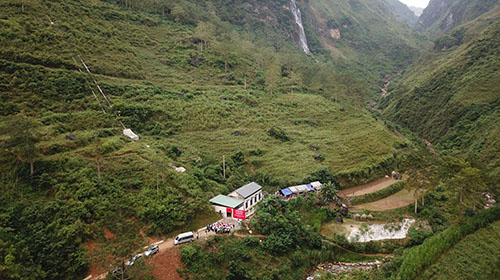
(416, 10)
(434, 11)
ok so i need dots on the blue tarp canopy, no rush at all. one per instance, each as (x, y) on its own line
(310, 187)
(286, 192)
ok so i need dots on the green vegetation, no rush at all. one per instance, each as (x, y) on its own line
(402, 12)
(212, 81)
(291, 247)
(417, 259)
(195, 86)
(473, 257)
(372, 43)
(455, 92)
(442, 15)
(383, 193)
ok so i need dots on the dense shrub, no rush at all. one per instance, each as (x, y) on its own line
(279, 134)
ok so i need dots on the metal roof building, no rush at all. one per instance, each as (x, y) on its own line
(226, 201)
(248, 189)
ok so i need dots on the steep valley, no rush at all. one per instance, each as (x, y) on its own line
(121, 119)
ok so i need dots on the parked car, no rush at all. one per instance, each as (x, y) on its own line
(133, 259)
(151, 250)
(117, 271)
(183, 238)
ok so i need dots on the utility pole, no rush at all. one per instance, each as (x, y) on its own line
(224, 166)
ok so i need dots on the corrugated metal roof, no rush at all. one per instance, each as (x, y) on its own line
(286, 192)
(227, 201)
(294, 189)
(302, 188)
(248, 189)
(316, 185)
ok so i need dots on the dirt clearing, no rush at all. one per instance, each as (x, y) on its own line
(166, 263)
(368, 188)
(397, 200)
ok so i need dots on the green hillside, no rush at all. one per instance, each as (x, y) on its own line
(474, 257)
(455, 89)
(223, 89)
(444, 15)
(363, 36)
(194, 88)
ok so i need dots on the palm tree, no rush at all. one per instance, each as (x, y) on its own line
(329, 191)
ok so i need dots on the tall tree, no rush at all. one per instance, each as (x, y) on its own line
(204, 31)
(160, 167)
(224, 49)
(273, 71)
(468, 183)
(416, 183)
(178, 12)
(98, 155)
(22, 134)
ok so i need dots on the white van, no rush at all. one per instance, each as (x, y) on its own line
(183, 238)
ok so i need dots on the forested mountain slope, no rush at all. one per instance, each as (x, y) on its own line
(196, 82)
(451, 97)
(444, 15)
(362, 36)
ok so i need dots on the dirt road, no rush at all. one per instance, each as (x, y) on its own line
(368, 188)
(167, 262)
(167, 259)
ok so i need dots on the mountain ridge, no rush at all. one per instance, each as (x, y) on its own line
(456, 88)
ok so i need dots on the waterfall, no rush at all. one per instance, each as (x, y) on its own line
(298, 21)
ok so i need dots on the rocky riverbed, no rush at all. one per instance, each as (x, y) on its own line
(340, 267)
(381, 231)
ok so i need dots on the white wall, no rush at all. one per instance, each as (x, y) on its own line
(222, 209)
(251, 201)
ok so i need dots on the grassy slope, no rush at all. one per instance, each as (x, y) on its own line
(167, 96)
(477, 256)
(456, 92)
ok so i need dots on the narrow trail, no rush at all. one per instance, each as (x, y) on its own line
(239, 235)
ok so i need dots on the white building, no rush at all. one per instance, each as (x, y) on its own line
(242, 199)
(225, 205)
(250, 194)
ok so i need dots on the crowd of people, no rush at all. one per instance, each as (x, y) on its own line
(220, 227)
